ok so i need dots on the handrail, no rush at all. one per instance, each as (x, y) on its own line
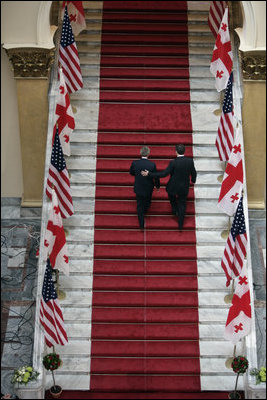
(249, 341)
(52, 93)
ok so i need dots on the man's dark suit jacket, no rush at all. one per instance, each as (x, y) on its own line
(143, 185)
(180, 170)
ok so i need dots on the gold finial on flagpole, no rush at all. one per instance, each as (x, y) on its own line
(228, 362)
(229, 297)
(60, 293)
(225, 233)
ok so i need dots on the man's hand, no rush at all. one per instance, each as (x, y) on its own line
(145, 172)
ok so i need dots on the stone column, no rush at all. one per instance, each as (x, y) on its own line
(31, 68)
(254, 125)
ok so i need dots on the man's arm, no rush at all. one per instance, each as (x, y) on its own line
(132, 169)
(156, 180)
(193, 173)
(160, 174)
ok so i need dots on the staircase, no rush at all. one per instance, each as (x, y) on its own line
(159, 285)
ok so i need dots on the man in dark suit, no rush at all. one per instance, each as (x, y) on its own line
(180, 170)
(143, 186)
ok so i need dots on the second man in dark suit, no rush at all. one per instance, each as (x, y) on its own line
(143, 186)
(180, 170)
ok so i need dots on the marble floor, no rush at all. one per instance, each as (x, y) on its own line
(20, 235)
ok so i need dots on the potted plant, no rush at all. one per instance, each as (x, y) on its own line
(260, 374)
(24, 375)
(51, 362)
(239, 366)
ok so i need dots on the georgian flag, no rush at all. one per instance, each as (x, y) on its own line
(238, 323)
(64, 116)
(222, 57)
(232, 183)
(76, 15)
(55, 239)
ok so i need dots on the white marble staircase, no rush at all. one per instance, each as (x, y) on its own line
(210, 222)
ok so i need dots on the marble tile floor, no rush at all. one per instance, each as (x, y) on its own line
(20, 231)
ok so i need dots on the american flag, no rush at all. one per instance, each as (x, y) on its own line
(215, 15)
(69, 58)
(232, 183)
(225, 137)
(58, 177)
(238, 322)
(55, 239)
(222, 56)
(236, 246)
(63, 117)
(51, 316)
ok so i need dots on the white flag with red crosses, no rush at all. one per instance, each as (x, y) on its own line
(55, 239)
(238, 323)
(232, 183)
(63, 116)
(222, 57)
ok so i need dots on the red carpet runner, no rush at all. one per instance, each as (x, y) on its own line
(145, 302)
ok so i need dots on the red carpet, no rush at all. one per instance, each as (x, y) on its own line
(145, 303)
(145, 342)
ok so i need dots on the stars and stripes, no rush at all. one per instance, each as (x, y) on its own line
(222, 56)
(69, 58)
(55, 239)
(236, 246)
(225, 137)
(51, 316)
(232, 183)
(216, 12)
(239, 320)
(63, 116)
(58, 177)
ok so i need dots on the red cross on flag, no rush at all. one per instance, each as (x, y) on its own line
(63, 116)
(238, 322)
(55, 239)
(232, 183)
(222, 57)
(76, 14)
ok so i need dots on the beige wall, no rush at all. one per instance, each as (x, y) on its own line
(14, 27)
(11, 166)
(259, 8)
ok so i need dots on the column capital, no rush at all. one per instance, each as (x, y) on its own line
(253, 64)
(31, 62)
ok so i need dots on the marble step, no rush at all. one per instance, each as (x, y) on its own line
(203, 178)
(212, 289)
(206, 332)
(82, 382)
(69, 381)
(95, 95)
(130, 151)
(195, 71)
(82, 364)
(87, 118)
(201, 191)
(194, 47)
(115, 28)
(91, 137)
(76, 234)
(211, 222)
(192, 16)
(206, 267)
(83, 163)
(92, 5)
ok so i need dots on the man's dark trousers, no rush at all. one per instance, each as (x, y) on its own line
(143, 204)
